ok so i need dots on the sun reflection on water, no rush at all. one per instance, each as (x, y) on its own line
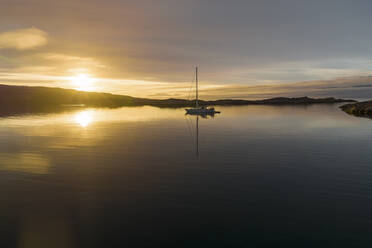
(84, 118)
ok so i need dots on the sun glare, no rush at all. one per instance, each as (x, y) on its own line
(83, 82)
(84, 118)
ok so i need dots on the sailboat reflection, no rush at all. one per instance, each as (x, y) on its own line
(204, 116)
(197, 136)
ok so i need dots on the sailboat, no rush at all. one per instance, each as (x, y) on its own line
(202, 110)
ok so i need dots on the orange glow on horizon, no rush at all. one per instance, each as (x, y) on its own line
(83, 82)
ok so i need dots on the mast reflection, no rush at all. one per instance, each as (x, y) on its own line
(197, 136)
(204, 116)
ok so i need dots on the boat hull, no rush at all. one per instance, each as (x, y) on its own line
(196, 111)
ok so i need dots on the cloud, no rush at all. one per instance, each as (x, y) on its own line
(23, 39)
(76, 61)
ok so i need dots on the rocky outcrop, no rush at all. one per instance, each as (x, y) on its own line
(363, 109)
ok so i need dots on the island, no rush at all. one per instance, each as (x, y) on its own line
(26, 99)
(361, 109)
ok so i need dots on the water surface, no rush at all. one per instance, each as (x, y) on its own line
(287, 176)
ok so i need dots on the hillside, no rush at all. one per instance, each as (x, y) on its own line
(23, 99)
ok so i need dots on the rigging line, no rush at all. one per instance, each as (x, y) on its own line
(189, 126)
(191, 85)
(192, 127)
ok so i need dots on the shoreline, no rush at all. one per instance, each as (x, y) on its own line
(27, 99)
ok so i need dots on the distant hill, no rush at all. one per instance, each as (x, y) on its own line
(24, 99)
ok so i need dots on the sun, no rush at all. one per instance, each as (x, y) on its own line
(83, 82)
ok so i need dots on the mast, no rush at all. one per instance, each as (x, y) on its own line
(197, 102)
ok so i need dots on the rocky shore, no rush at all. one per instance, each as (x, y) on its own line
(363, 109)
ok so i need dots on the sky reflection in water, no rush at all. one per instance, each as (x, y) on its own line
(131, 176)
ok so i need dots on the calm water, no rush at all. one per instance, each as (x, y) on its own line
(265, 176)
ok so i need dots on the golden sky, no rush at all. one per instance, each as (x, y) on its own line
(245, 49)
